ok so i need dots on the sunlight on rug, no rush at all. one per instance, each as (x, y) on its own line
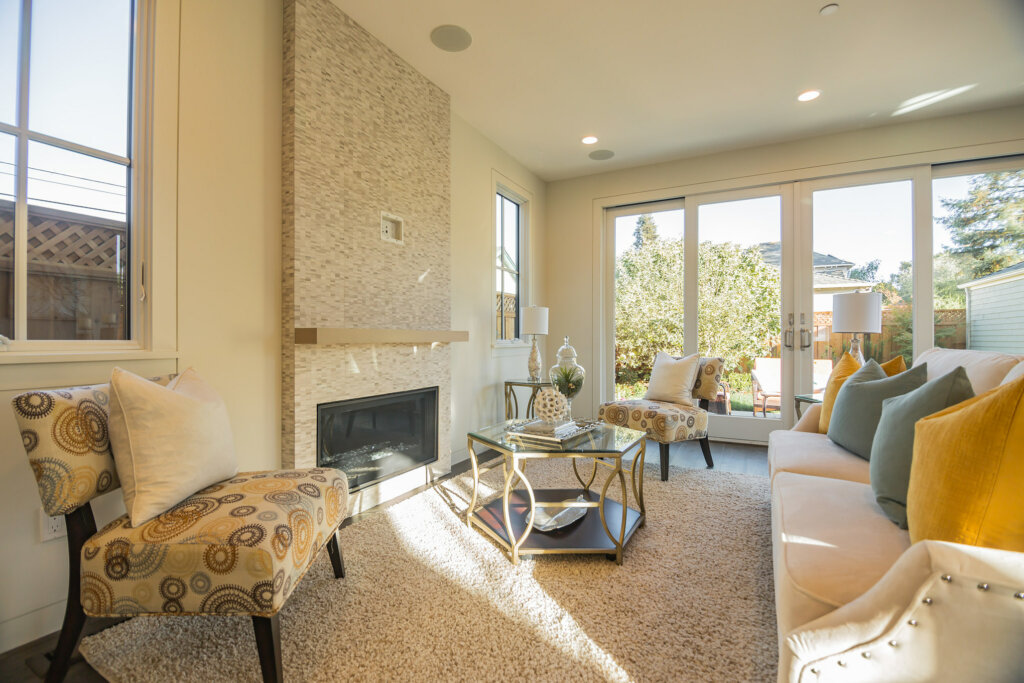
(426, 598)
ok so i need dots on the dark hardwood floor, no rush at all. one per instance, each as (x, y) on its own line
(28, 663)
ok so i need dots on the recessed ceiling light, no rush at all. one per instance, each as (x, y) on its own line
(451, 38)
(829, 9)
(601, 154)
(808, 95)
(589, 140)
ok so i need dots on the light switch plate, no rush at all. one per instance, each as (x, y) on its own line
(392, 228)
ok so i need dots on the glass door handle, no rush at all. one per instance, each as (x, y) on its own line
(805, 334)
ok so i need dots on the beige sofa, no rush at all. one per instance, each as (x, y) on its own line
(855, 601)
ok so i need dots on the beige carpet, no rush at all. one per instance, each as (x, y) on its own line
(427, 599)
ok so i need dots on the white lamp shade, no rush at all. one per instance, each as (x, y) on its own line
(859, 312)
(534, 320)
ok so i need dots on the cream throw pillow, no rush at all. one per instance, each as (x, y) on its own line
(168, 442)
(672, 379)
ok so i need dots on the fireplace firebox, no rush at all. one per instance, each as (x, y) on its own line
(378, 437)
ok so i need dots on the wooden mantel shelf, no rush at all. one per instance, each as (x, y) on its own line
(363, 335)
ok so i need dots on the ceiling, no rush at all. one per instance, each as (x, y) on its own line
(663, 79)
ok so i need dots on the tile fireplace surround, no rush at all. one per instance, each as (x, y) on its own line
(364, 133)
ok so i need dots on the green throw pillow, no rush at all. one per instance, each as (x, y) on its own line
(858, 405)
(893, 447)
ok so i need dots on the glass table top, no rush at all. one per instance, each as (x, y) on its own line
(604, 438)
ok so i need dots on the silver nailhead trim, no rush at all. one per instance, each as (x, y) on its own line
(983, 586)
(815, 671)
(893, 643)
(841, 663)
(927, 601)
(865, 655)
(912, 622)
(947, 578)
(1019, 596)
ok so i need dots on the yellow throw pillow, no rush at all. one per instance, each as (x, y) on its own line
(846, 366)
(967, 472)
(894, 366)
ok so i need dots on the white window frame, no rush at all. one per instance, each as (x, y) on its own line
(501, 185)
(139, 218)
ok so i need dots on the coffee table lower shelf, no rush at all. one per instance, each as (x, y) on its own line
(586, 535)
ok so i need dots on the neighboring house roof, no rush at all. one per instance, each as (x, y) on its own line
(772, 253)
(833, 283)
(1014, 272)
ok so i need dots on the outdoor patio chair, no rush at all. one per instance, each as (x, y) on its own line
(766, 384)
(668, 423)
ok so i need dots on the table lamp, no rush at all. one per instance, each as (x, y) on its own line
(534, 322)
(859, 313)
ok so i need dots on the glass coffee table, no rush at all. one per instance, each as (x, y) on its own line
(508, 519)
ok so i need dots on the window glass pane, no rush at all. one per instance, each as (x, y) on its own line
(863, 241)
(7, 235)
(978, 267)
(497, 230)
(648, 295)
(77, 246)
(510, 218)
(10, 11)
(80, 66)
(739, 299)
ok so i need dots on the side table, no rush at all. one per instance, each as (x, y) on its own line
(512, 402)
(801, 399)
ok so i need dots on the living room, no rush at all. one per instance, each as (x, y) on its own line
(262, 219)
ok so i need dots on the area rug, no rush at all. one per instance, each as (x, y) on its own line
(427, 599)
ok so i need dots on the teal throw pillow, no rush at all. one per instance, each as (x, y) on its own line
(858, 405)
(893, 447)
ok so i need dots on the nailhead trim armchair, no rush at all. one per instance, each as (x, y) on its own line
(238, 547)
(668, 423)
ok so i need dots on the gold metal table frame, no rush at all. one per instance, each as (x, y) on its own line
(508, 520)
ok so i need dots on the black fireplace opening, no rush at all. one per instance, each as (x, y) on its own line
(377, 437)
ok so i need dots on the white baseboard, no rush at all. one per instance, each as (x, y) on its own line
(31, 626)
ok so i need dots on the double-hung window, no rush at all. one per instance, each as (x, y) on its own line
(508, 266)
(67, 170)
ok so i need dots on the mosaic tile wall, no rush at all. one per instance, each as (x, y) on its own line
(363, 133)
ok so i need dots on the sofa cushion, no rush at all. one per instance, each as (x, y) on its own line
(237, 547)
(846, 366)
(968, 472)
(859, 404)
(814, 454)
(894, 366)
(893, 447)
(985, 369)
(663, 422)
(831, 543)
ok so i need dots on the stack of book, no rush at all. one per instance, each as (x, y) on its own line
(547, 434)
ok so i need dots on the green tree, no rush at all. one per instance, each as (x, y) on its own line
(737, 298)
(646, 231)
(867, 272)
(988, 225)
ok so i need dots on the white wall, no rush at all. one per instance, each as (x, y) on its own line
(574, 206)
(221, 149)
(478, 369)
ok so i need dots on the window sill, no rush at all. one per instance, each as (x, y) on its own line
(84, 356)
(511, 348)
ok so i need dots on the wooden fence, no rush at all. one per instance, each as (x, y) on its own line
(895, 338)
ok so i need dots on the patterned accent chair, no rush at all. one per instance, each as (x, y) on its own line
(668, 423)
(238, 547)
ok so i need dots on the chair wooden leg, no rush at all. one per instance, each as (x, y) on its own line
(268, 644)
(337, 561)
(664, 461)
(70, 634)
(705, 446)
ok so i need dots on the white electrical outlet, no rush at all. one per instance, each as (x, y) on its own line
(51, 527)
(392, 228)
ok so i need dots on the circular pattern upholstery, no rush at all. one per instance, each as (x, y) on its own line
(237, 547)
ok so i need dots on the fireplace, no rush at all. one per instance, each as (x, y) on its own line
(378, 437)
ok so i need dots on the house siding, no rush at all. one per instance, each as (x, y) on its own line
(997, 317)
